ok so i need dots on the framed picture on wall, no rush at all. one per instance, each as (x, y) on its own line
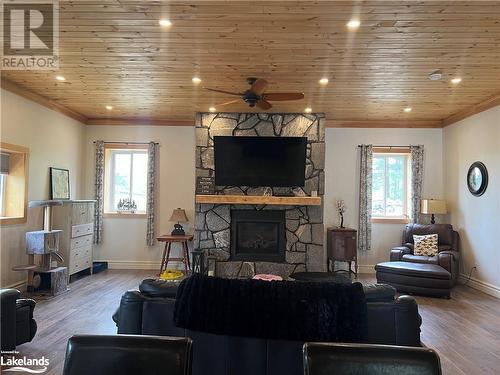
(59, 183)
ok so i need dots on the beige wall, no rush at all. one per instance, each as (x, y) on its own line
(476, 138)
(124, 239)
(342, 179)
(54, 140)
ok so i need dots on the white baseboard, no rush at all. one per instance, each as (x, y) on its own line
(132, 265)
(474, 283)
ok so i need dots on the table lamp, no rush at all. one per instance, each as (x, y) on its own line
(179, 216)
(432, 207)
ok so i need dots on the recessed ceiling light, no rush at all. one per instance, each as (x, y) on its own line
(109, 107)
(308, 110)
(60, 78)
(456, 80)
(196, 80)
(353, 24)
(323, 81)
(165, 23)
(407, 109)
(435, 75)
(212, 109)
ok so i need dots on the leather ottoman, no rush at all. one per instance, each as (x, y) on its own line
(418, 278)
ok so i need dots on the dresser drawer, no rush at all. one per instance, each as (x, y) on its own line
(81, 253)
(82, 213)
(79, 265)
(82, 230)
(82, 241)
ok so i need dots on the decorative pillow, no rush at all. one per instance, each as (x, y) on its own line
(426, 245)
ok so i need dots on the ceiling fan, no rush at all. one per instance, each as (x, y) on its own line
(256, 95)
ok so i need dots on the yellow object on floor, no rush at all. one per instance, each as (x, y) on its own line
(171, 275)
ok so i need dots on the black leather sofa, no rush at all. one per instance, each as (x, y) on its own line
(16, 317)
(392, 321)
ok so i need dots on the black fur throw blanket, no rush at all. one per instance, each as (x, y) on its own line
(285, 310)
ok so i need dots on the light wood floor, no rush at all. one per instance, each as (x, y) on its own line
(465, 330)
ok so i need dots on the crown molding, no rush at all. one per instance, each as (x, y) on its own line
(477, 108)
(39, 99)
(142, 121)
(334, 123)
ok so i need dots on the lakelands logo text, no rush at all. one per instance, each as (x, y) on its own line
(29, 365)
(30, 35)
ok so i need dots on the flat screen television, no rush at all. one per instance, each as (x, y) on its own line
(260, 161)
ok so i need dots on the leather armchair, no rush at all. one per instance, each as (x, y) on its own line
(448, 242)
(127, 355)
(346, 359)
(16, 317)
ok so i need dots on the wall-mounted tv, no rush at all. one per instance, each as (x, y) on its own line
(260, 161)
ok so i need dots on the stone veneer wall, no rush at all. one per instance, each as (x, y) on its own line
(304, 224)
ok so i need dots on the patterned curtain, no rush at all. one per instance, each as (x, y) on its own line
(417, 175)
(365, 198)
(150, 206)
(99, 191)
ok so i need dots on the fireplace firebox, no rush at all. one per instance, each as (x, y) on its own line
(258, 235)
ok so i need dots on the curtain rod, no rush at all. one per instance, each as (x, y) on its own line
(389, 146)
(129, 143)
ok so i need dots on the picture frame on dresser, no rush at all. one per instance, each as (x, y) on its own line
(59, 183)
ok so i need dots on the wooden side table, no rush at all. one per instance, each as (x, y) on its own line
(341, 245)
(169, 240)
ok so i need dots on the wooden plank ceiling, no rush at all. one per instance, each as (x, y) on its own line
(115, 53)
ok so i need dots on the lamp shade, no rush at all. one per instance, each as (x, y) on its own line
(179, 216)
(433, 206)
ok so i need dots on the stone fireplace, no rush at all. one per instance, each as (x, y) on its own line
(303, 232)
(258, 235)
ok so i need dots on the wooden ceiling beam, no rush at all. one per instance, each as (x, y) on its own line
(334, 123)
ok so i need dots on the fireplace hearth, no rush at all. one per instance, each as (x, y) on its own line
(258, 235)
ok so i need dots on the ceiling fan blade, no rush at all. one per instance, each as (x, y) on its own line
(222, 91)
(259, 86)
(262, 104)
(226, 103)
(283, 96)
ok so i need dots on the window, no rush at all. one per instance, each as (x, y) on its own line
(125, 179)
(391, 186)
(13, 183)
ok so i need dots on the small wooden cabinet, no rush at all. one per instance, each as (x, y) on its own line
(341, 244)
(76, 219)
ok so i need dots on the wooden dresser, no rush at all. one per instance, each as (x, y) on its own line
(341, 245)
(76, 220)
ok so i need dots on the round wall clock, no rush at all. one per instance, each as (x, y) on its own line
(477, 178)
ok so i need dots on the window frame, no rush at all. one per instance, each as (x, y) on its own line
(109, 165)
(388, 151)
(15, 188)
